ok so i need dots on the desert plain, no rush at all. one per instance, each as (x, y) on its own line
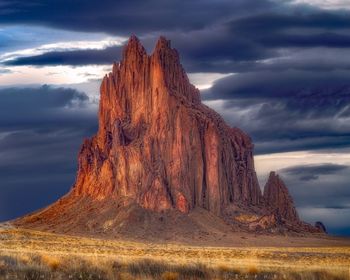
(29, 254)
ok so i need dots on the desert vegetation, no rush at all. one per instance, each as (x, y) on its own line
(35, 255)
(36, 266)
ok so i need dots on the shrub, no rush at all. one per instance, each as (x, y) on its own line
(52, 262)
(223, 268)
(170, 275)
(253, 270)
(33, 273)
(84, 270)
(197, 271)
(147, 267)
(226, 272)
(7, 261)
(125, 276)
(86, 274)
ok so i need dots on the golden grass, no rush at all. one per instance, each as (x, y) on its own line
(252, 269)
(68, 257)
(245, 218)
(52, 262)
(223, 268)
(170, 275)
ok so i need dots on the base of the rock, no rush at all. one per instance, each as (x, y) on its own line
(112, 219)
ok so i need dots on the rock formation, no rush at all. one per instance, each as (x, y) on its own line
(159, 150)
(278, 200)
(319, 225)
(158, 145)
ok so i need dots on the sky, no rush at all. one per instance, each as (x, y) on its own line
(279, 70)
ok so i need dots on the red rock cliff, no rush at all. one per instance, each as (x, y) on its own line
(158, 145)
(278, 199)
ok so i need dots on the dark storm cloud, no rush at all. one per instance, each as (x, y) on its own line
(308, 40)
(210, 51)
(72, 57)
(125, 17)
(335, 219)
(215, 49)
(42, 96)
(284, 21)
(281, 84)
(258, 42)
(41, 130)
(315, 29)
(325, 197)
(312, 172)
(232, 37)
(43, 108)
(288, 110)
(315, 60)
(330, 190)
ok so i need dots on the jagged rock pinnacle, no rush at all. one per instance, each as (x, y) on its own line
(158, 145)
(278, 199)
(162, 43)
(133, 53)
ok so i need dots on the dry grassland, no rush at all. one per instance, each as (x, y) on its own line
(26, 254)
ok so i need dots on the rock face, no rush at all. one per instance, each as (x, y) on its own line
(319, 225)
(158, 145)
(161, 154)
(278, 200)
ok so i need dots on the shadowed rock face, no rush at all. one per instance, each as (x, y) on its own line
(319, 225)
(278, 199)
(160, 153)
(158, 145)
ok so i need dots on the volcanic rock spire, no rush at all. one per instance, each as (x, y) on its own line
(278, 199)
(160, 151)
(158, 146)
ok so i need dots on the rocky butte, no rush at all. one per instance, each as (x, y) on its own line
(161, 157)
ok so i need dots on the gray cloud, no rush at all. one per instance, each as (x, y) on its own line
(71, 57)
(280, 84)
(321, 193)
(330, 190)
(287, 110)
(42, 108)
(336, 220)
(312, 172)
(211, 51)
(4, 71)
(41, 129)
(213, 37)
(125, 17)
